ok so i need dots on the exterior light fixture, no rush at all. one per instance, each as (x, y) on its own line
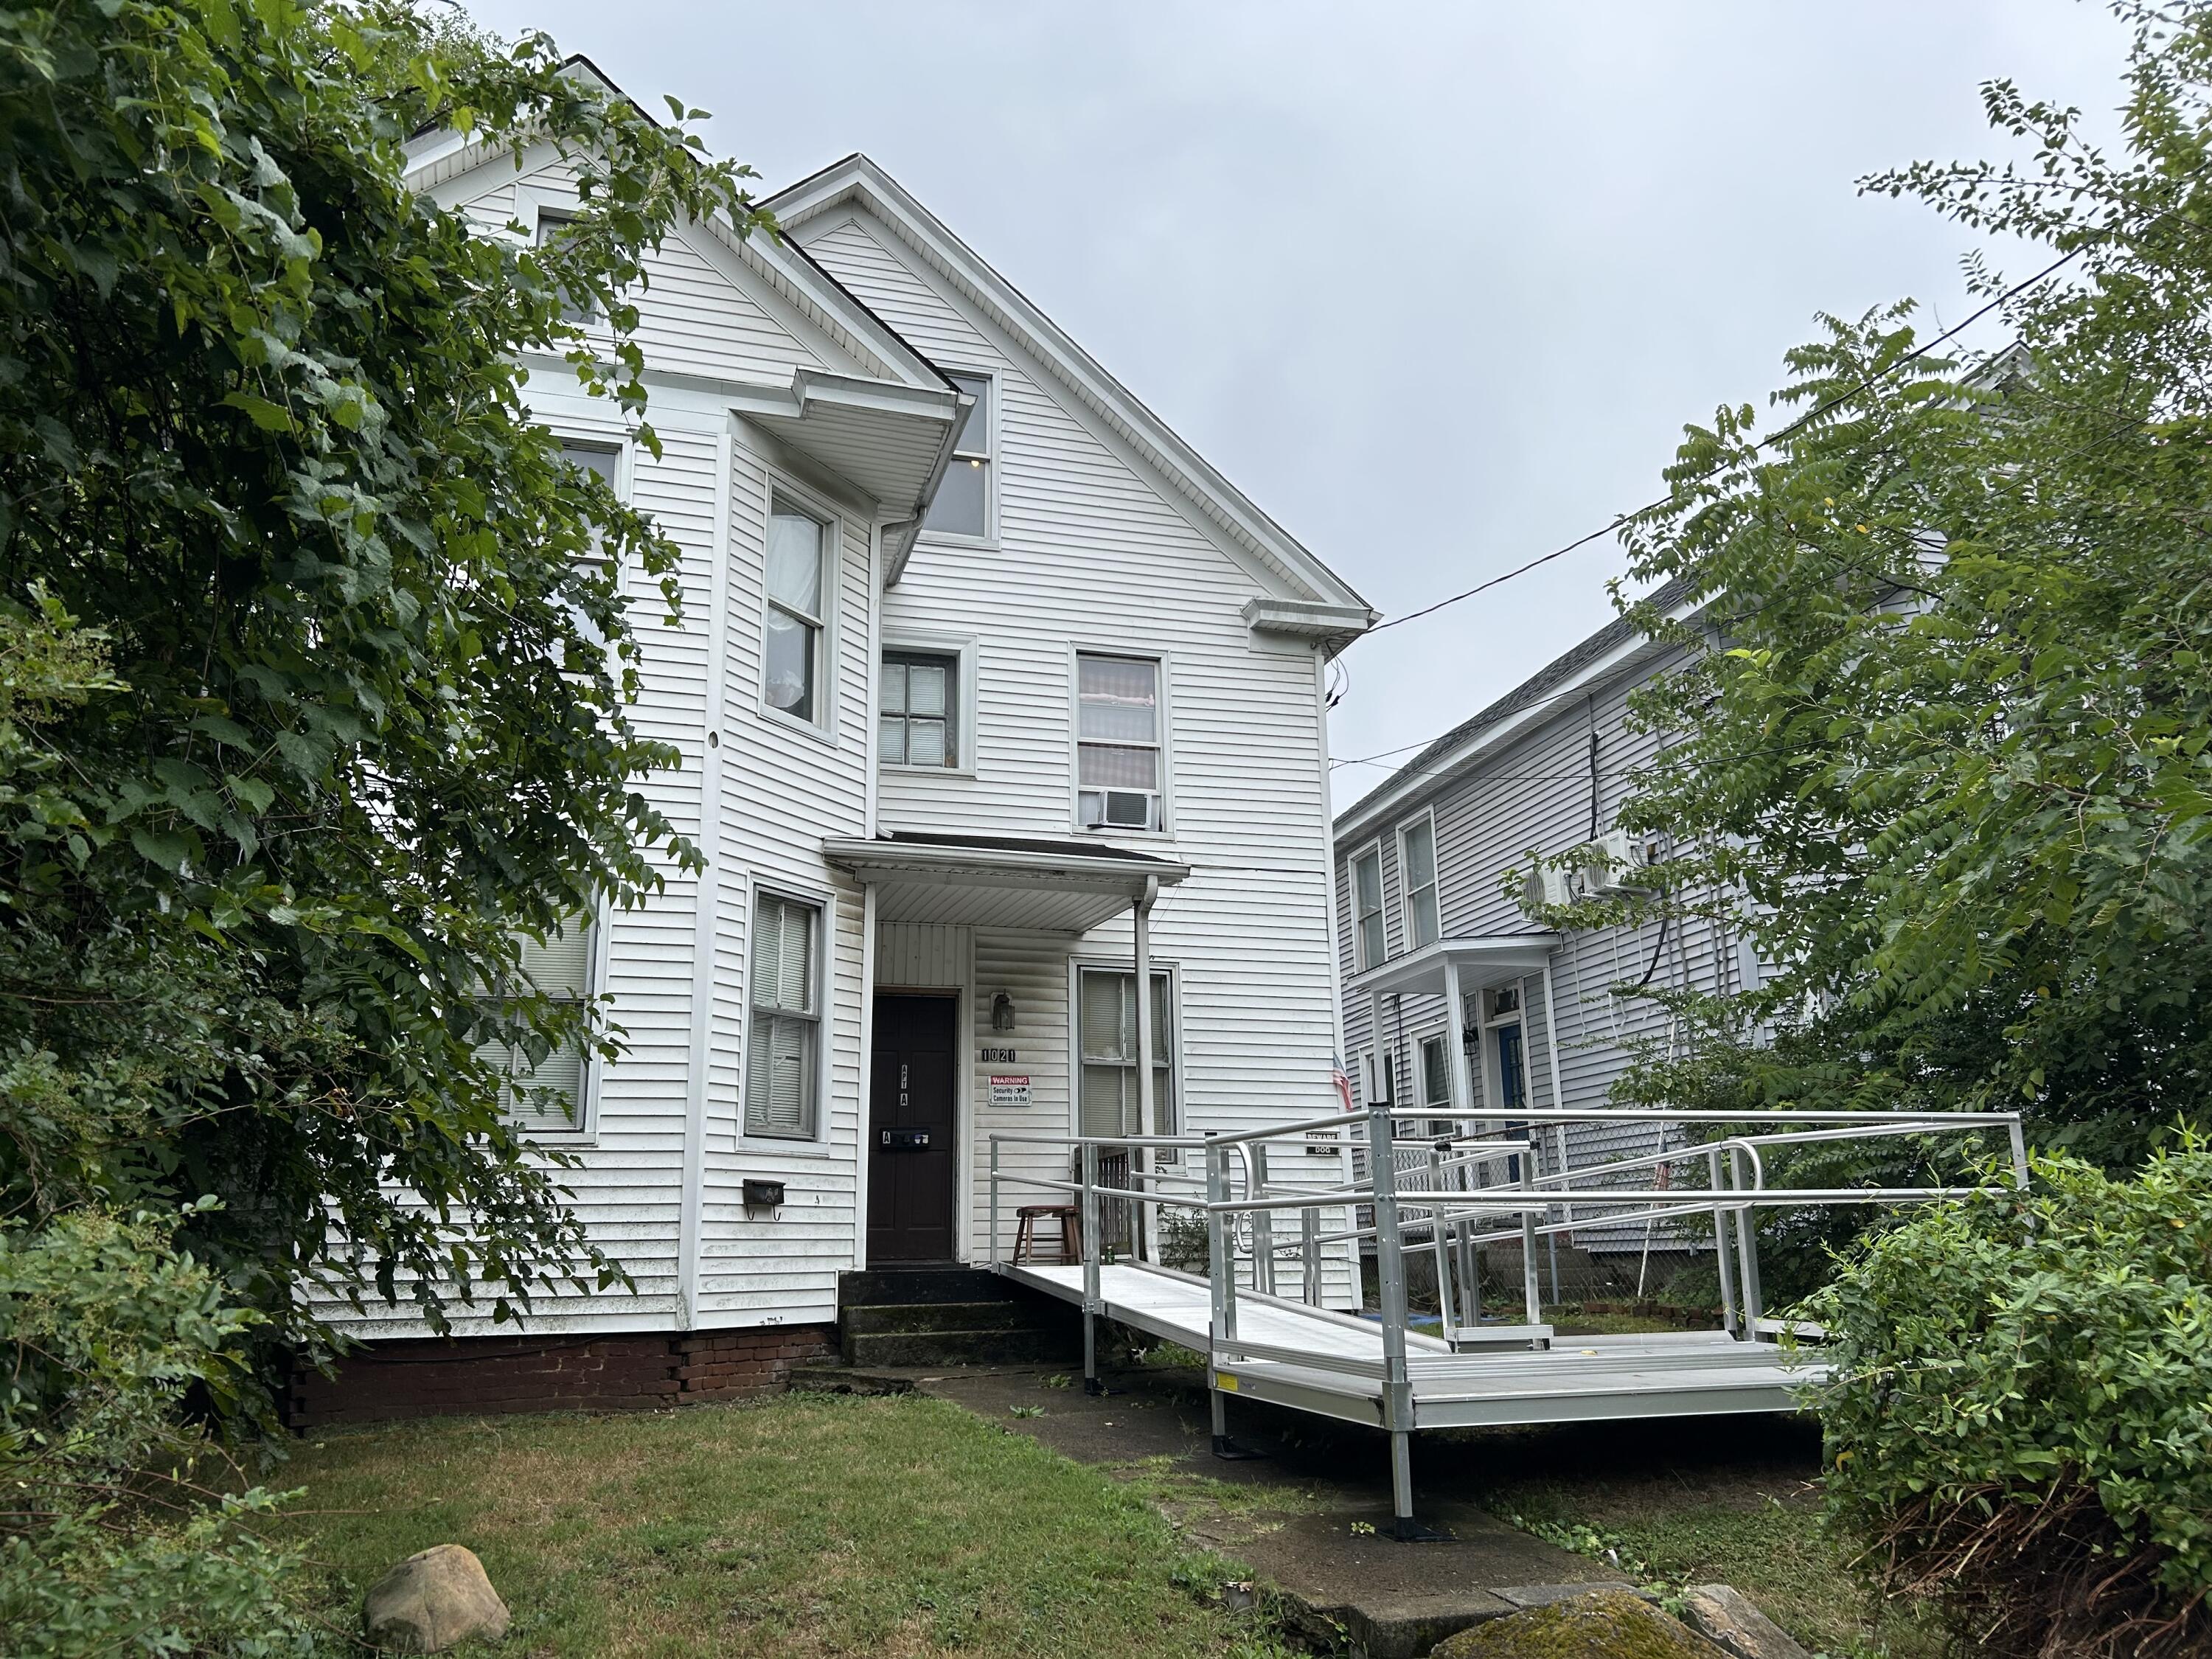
(1002, 1012)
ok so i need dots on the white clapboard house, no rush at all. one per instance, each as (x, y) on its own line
(979, 661)
(1433, 868)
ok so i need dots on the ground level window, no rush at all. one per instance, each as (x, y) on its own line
(550, 1096)
(1107, 1012)
(783, 1071)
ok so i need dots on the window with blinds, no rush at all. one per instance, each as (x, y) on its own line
(918, 724)
(1107, 1021)
(1417, 864)
(552, 1097)
(782, 1073)
(1117, 742)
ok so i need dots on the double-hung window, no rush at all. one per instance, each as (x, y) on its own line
(1118, 761)
(792, 678)
(918, 724)
(961, 506)
(1435, 1072)
(1106, 1006)
(554, 226)
(783, 1071)
(1417, 869)
(550, 1097)
(1367, 906)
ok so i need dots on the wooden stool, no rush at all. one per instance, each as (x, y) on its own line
(1070, 1219)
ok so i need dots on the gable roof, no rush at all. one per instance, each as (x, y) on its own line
(1620, 646)
(857, 179)
(437, 155)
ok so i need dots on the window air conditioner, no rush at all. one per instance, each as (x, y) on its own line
(1613, 863)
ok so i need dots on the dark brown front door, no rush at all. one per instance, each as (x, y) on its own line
(911, 1167)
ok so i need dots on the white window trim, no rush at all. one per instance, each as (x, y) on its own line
(1405, 888)
(1076, 652)
(825, 905)
(1076, 964)
(963, 647)
(989, 539)
(823, 728)
(1360, 964)
(584, 1133)
(1420, 1071)
(530, 200)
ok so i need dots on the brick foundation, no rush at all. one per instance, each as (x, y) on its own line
(493, 1375)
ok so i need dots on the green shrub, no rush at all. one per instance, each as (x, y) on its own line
(2021, 1425)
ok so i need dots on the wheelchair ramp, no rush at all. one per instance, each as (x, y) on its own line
(1332, 1364)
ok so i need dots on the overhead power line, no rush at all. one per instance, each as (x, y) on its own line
(1787, 432)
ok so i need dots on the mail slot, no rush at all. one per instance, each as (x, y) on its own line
(905, 1140)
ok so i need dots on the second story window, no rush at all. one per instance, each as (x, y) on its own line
(1367, 906)
(791, 654)
(1117, 742)
(1417, 863)
(917, 723)
(963, 503)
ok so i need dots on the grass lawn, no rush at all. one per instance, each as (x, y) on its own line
(797, 1525)
(1692, 1502)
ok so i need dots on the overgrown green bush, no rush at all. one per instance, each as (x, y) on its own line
(2021, 1426)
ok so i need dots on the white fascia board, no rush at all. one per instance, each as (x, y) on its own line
(911, 861)
(1335, 625)
(1184, 470)
(1388, 802)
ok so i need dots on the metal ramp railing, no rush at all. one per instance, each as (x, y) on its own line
(1294, 1351)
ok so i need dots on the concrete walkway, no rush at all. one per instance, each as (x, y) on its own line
(1322, 1545)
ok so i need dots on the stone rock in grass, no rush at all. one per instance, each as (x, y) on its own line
(1605, 1624)
(431, 1600)
(1722, 1614)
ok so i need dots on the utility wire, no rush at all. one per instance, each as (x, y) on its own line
(1787, 432)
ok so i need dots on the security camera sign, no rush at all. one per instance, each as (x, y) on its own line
(1010, 1089)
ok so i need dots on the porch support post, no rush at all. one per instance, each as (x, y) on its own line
(1558, 1104)
(1147, 1108)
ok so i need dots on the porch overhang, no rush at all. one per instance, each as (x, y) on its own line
(999, 881)
(1480, 960)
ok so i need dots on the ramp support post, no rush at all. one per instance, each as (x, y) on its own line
(1092, 1244)
(1390, 1282)
(1746, 1238)
(1532, 1294)
(1723, 1255)
(1221, 1274)
(1310, 1255)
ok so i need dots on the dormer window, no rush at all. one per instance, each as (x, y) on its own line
(963, 504)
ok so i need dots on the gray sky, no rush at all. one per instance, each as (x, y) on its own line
(1436, 285)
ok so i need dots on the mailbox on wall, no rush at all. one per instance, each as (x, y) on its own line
(763, 1195)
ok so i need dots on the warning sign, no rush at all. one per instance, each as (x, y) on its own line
(1010, 1089)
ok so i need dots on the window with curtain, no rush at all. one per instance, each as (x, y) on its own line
(916, 724)
(1107, 1015)
(1117, 742)
(551, 1096)
(790, 655)
(961, 506)
(782, 1075)
(1418, 856)
(1367, 906)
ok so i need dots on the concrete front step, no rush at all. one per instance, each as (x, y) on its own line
(911, 1318)
(1001, 1347)
(882, 1287)
(826, 1378)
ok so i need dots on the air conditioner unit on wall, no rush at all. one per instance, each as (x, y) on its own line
(1547, 884)
(1616, 862)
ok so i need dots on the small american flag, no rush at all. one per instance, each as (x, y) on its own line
(1341, 1078)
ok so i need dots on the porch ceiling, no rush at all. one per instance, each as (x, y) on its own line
(994, 881)
(1484, 959)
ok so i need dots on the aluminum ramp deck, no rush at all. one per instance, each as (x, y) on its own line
(1332, 1364)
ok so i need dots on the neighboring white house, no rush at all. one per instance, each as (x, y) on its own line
(977, 655)
(1431, 867)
